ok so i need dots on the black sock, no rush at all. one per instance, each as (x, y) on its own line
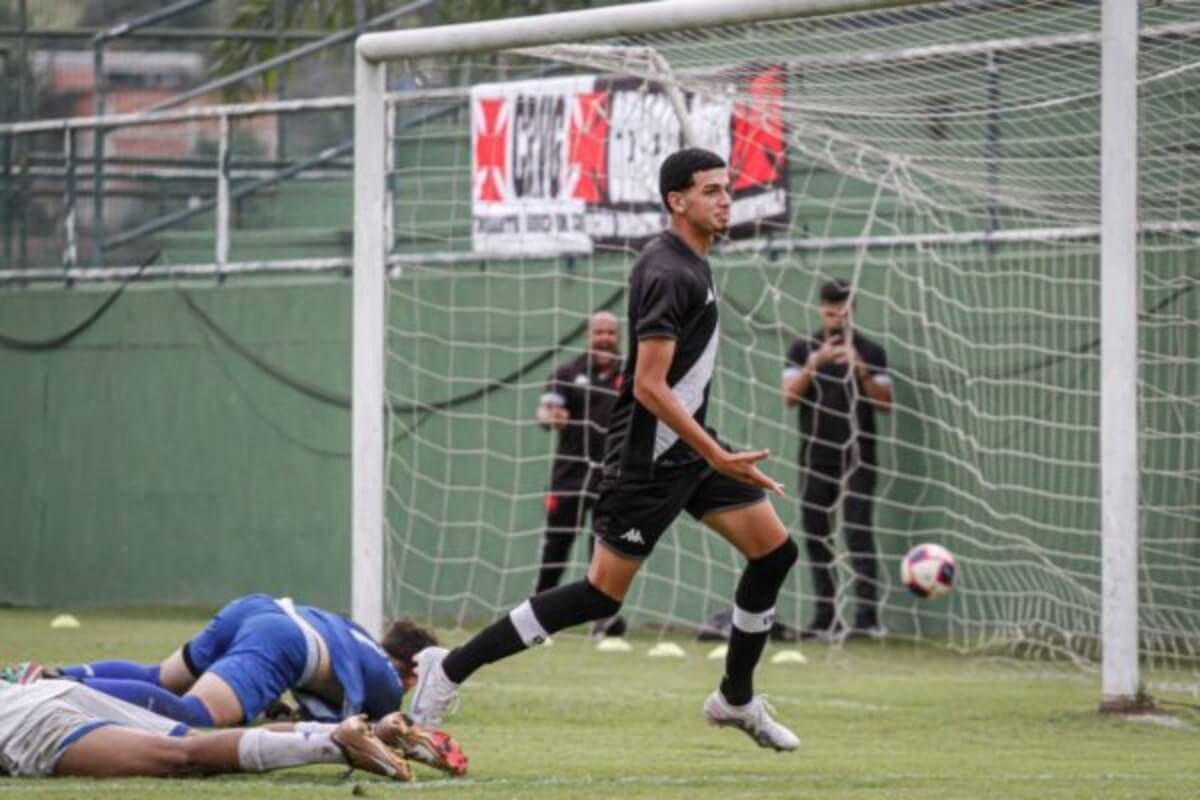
(753, 616)
(556, 549)
(528, 624)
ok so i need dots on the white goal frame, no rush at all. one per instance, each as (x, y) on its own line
(1119, 272)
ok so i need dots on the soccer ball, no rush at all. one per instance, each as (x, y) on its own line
(928, 570)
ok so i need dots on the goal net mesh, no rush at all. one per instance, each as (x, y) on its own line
(945, 160)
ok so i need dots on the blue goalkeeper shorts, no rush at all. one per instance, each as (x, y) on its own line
(255, 647)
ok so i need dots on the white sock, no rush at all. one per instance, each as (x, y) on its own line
(315, 727)
(261, 750)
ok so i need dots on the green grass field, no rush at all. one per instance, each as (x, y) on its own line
(877, 721)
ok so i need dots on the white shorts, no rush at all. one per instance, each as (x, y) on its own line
(39, 721)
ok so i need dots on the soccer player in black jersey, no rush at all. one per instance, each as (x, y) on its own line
(839, 379)
(660, 459)
(577, 403)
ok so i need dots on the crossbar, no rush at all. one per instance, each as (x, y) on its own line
(600, 23)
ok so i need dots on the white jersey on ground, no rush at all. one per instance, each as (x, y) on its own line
(36, 718)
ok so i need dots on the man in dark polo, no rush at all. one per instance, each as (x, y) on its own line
(577, 403)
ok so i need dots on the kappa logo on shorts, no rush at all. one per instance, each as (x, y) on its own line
(633, 535)
(711, 297)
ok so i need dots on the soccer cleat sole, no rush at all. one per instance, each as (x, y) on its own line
(436, 749)
(363, 750)
(432, 748)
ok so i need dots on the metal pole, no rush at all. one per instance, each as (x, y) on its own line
(992, 145)
(70, 216)
(600, 23)
(223, 159)
(390, 117)
(166, 34)
(98, 153)
(18, 199)
(24, 202)
(8, 202)
(146, 20)
(1118, 354)
(6, 147)
(23, 81)
(280, 79)
(369, 334)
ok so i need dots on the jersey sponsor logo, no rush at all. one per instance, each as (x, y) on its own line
(633, 535)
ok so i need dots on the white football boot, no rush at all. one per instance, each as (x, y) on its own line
(434, 694)
(754, 719)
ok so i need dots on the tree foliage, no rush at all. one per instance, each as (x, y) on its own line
(335, 15)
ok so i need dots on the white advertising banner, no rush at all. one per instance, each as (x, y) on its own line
(567, 165)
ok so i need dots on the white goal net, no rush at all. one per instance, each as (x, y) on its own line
(943, 158)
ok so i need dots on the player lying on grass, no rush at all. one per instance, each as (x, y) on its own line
(61, 727)
(433, 749)
(258, 647)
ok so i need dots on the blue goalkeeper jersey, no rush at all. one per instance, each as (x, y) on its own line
(370, 684)
(263, 646)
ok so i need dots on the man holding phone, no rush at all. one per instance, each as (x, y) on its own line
(838, 378)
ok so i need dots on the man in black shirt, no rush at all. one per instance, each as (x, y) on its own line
(577, 402)
(660, 460)
(839, 379)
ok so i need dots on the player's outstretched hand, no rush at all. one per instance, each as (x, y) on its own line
(742, 467)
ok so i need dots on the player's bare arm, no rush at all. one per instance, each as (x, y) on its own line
(650, 388)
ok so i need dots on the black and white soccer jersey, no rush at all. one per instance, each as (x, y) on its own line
(671, 295)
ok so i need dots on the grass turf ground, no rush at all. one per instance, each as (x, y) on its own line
(876, 721)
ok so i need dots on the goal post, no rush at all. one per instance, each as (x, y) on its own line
(976, 175)
(1119, 467)
(371, 216)
(369, 335)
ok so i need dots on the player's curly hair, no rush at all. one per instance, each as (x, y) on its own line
(405, 638)
(677, 171)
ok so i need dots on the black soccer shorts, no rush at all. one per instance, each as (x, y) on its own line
(631, 514)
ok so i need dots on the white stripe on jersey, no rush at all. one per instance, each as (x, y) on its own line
(690, 391)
